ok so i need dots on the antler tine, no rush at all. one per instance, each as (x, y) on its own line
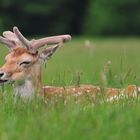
(36, 44)
(22, 38)
(7, 42)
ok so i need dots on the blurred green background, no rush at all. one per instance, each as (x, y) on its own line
(76, 17)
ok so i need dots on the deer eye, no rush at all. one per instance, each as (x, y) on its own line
(25, 63)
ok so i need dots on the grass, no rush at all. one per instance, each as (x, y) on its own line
(73, 58)
(84, 119)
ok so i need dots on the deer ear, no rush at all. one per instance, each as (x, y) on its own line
(48, 52)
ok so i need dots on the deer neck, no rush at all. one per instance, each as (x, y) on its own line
(24, 89)
(31, 84)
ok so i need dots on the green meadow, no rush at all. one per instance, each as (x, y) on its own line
(85, 119)
(73, 60)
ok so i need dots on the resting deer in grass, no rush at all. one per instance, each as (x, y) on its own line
(23, 64)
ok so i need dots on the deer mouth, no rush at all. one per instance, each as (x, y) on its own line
(3, 81)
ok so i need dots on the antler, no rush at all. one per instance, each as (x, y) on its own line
(34, 45)
(11, 41)
(22, 38)
(10, 44)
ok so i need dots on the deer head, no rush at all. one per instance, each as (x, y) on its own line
(23, 61)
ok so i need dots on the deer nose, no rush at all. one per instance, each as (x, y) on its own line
(1, 74)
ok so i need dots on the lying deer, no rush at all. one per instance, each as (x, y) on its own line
(23, 67)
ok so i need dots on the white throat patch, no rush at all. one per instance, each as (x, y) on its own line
(25, 90)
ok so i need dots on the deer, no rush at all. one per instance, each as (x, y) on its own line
(22, 67)
(23, 64)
